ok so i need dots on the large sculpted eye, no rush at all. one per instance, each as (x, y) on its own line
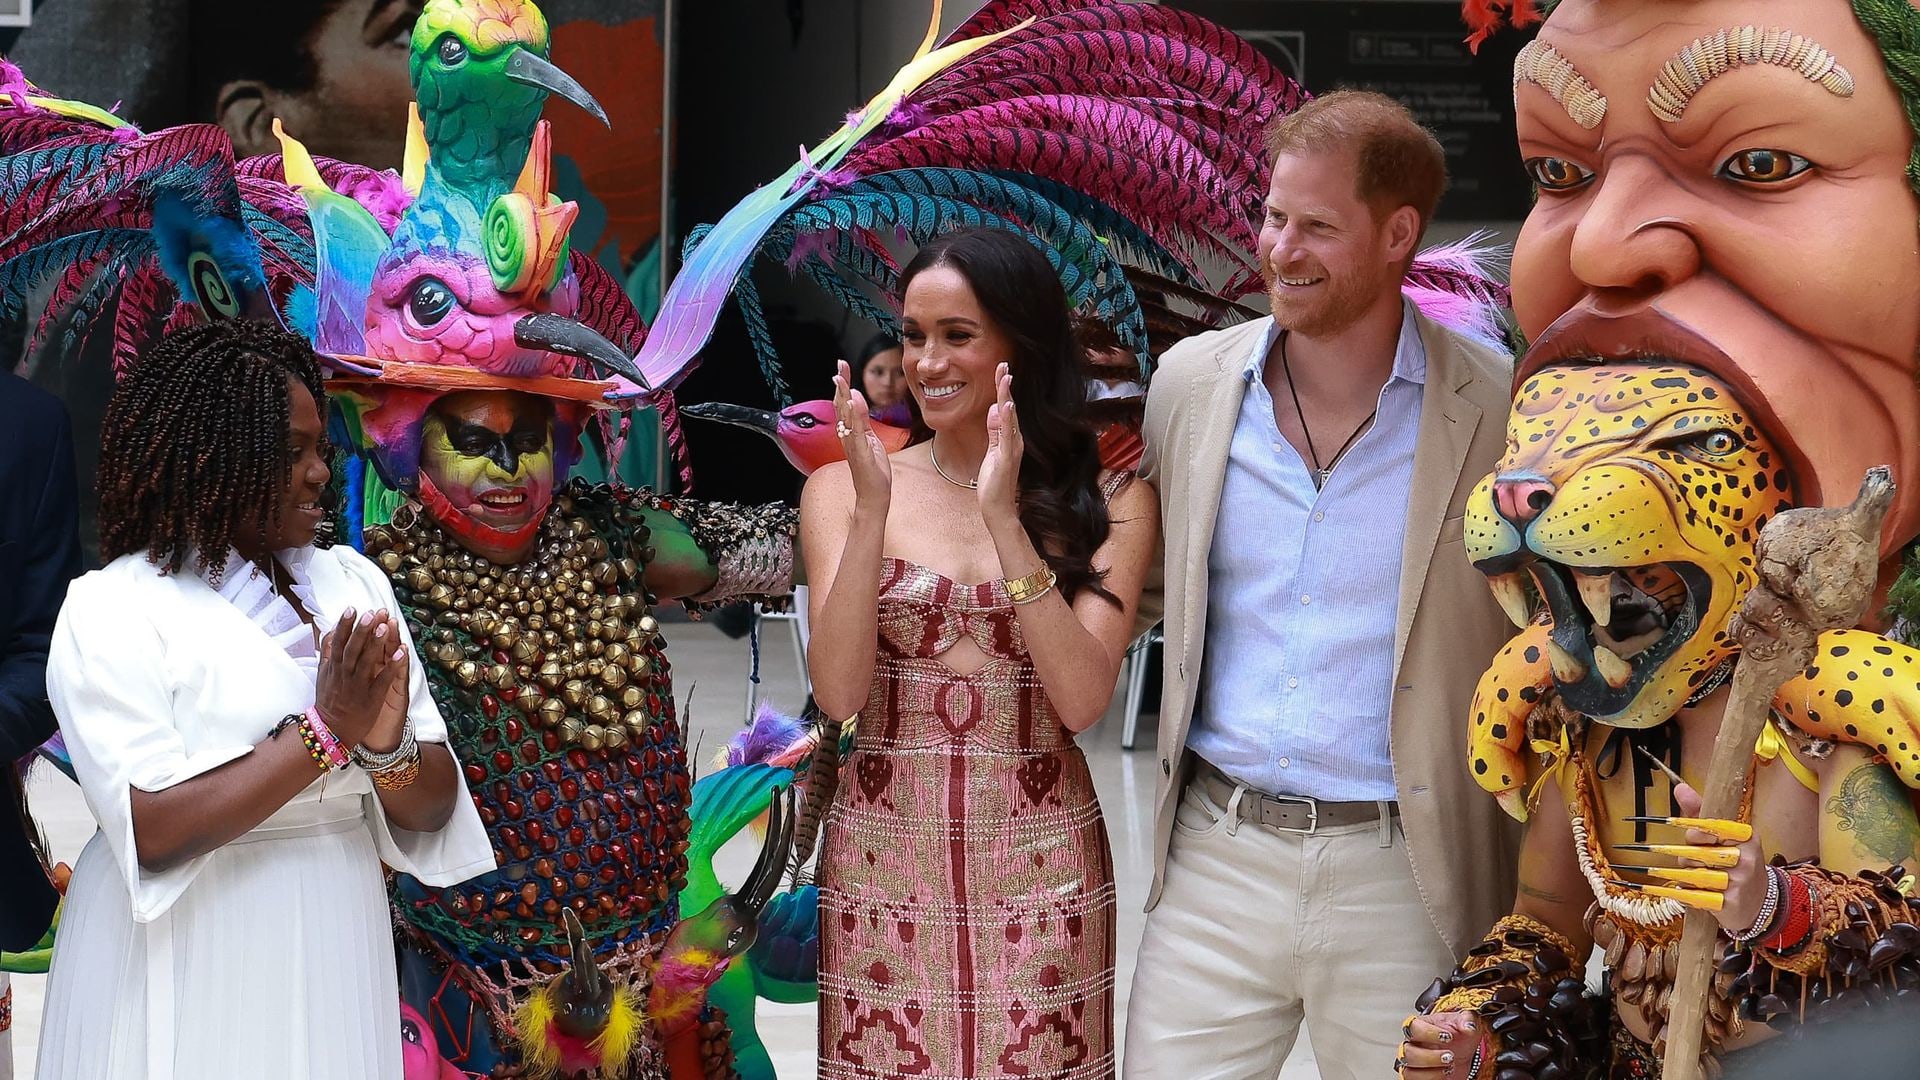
(803, 420)
(1557, 174)
(1764, 166)
(453, 51)
(1715, 444)
(430, 301)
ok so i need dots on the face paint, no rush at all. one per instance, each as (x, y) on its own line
(487, 470)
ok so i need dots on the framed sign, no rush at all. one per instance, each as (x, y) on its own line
(1414, 51)
(16, 12)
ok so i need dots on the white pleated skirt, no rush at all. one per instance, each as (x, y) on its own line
(279, 956)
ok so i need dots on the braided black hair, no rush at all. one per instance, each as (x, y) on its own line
(194, 443)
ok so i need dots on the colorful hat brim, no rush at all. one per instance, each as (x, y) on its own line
(435, 377)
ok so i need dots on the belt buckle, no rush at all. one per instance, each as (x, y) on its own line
(1313, 813)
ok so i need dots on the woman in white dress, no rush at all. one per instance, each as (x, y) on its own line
(253, 735)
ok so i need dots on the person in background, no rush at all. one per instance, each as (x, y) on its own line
(39, 555)
(884, 381)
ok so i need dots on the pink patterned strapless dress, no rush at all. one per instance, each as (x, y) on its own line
(966, 883)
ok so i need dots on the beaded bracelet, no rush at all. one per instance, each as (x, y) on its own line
(1770, 907)
(1479, 1060)
(322, 743)
(395, 769)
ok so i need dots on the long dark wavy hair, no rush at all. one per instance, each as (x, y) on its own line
(1060, 501)
(193, 448)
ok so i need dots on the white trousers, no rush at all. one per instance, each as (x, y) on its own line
(1259, 929)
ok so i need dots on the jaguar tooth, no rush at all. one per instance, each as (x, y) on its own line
(1511, 592)
(1616, 671)
(1566, 668)
(1596, 592)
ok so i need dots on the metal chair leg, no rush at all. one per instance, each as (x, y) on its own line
(1136, 689)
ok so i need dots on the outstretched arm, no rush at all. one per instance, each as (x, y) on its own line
(710, 553)
(1449, 1037)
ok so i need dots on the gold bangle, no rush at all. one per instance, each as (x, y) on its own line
(1025, 590)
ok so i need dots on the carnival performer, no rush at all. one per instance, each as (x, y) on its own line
(1701, 361)
(455, 317)
(39, 554)
(254, 735)
(531, 595)
(1317, 847)
(974, 595)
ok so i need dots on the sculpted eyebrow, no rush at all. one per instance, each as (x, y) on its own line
(1705, 59)
(1542, 65)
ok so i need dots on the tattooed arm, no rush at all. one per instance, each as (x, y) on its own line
(1867, 820)
(1551, 888)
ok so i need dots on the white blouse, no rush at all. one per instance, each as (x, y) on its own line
(158, 678)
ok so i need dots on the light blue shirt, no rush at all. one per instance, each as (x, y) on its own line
(1302, 596)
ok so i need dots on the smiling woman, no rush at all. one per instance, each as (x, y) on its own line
(254, 735)
(973, 595)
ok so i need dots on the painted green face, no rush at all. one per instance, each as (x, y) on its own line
(488, 458)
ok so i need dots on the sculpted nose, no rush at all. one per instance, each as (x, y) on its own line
(1629, 242)
(1522, 498)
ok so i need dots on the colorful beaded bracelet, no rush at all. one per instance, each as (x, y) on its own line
(321, 742)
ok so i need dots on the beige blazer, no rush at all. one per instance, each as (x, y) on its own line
(1463, 848)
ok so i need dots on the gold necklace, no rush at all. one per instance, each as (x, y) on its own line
(971, 485)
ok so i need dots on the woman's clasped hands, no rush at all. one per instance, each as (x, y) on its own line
(363, 672)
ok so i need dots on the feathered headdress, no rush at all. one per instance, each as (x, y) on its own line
(1124, 140)
(1484, 17)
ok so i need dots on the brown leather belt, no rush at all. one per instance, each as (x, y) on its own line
(1294, 813)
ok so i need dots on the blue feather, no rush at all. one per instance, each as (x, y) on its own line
(747, 295)
(182, 230)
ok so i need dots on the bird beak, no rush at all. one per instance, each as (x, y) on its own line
(760, 420)
(586, 973)
(527, 67)
(571, 337)
(759, 887)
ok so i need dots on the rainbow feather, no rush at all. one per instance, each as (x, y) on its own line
(1117, 137)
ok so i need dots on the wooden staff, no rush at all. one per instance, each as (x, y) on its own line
(1817, 568)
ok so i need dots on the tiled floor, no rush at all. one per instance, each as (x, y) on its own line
(705, 659)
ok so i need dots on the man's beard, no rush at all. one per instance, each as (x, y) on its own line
(1342, 301)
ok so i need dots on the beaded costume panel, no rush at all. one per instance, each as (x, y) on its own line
(557, 694)
(966, 883)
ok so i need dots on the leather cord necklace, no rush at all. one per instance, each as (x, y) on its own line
(1320, 474)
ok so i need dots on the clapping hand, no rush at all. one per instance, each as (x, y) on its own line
(359, 661)
(866, 456)
(999, 478)
(387, 732)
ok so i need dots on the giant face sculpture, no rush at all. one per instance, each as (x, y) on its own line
(1721, 183)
